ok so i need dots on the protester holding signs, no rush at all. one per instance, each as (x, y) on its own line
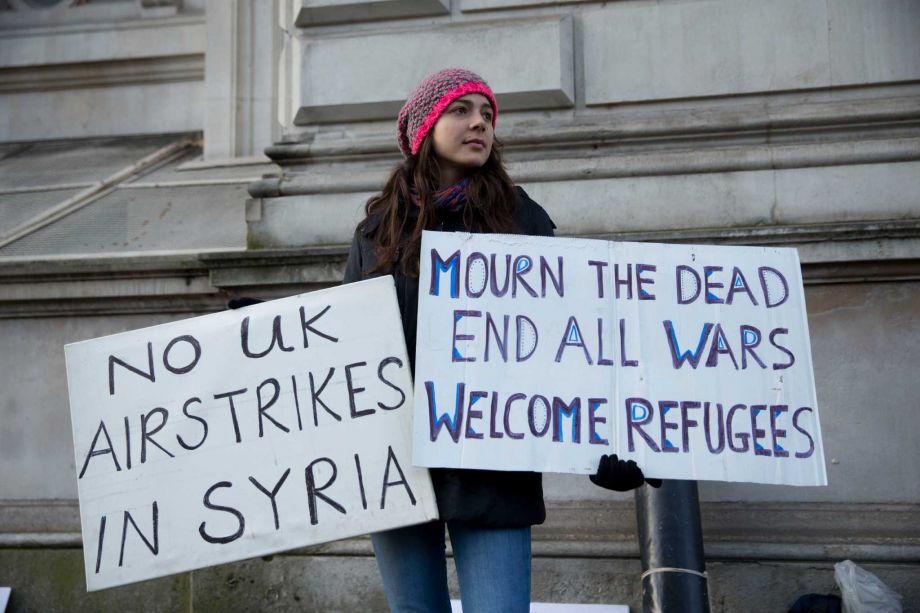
(452, 179)
(290, 423)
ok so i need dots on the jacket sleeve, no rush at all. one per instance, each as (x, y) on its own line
(353, 265)
(549, 227)
(531, 217)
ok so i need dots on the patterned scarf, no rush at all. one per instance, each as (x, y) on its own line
(451, 199)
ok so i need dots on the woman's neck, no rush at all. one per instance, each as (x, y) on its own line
(450, 176)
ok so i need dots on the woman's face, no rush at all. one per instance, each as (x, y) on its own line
(463, 137)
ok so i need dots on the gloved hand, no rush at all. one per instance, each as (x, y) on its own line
(620, 476)
(239, 303)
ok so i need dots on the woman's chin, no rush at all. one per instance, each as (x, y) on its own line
(474, 163)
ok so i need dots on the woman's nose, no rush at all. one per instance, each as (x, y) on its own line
(477, 121)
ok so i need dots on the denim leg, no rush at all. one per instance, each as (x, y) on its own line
(493, 567)
(413, 566)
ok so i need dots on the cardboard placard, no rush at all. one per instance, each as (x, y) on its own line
(542, 354)
(243, 433)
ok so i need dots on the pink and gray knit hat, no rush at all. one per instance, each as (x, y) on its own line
(431, 98)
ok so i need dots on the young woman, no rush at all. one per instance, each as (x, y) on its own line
(452, 179)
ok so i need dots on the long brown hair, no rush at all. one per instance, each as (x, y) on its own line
(491, 201)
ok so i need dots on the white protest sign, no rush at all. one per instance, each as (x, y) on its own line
(243, 433)
(542, 354)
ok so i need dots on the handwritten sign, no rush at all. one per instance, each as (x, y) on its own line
(543, 354)
(243, 433)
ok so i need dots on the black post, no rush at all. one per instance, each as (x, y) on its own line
(670, 537)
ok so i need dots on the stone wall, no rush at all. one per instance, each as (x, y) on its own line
(781, 122)
(79, 69)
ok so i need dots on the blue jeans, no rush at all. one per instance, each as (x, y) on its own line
(493, 568)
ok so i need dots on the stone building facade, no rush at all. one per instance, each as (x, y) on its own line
(159, 156)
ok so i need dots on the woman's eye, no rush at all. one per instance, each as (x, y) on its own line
(487, 116)
(459, 110)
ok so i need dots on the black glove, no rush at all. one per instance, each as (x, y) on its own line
(620, 476)
(239, 303)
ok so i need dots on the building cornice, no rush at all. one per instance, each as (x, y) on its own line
(857, 252)
(43, 78)
(788, 116)
(850, 127)
(870, 532)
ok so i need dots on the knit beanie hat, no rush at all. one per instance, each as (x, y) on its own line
(431, 98)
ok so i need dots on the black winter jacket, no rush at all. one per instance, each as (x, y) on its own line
(485, 498)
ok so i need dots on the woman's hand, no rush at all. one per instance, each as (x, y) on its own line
(620, 476)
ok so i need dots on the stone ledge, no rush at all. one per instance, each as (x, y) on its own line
(52, 580)
(310, 268)
(593, 529)
(102, 74)
(474, 6)
(771, 198)
(617, 160)
(843, 114)
(326, 12)
(76, 268)
(72, 286)
(94, 307)
(854, 252)
(177, 283)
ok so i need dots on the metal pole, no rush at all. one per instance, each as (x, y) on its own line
(671, 547)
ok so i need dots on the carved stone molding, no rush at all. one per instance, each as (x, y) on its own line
(56, 13)
(608, 161)
(102, 74)
(593, 529)
(325, 12)
(772, 119)
(203, 282)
